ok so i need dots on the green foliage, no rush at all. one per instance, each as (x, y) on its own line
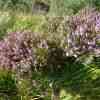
(26, 22)
(64, 7)
(7, 84)
(6, 22)
(16, 5)
(40, 85)
(68, 7)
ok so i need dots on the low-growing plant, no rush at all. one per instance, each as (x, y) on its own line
(16, 50)
(8, 87)
(84, 33)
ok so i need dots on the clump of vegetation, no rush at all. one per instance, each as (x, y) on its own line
(27, 22)
(16, 50)
(8, 87)
(84, 34)
(6, 22)
(50, 55)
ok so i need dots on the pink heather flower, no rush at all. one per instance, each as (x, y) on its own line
(85, 33)
(15, 48)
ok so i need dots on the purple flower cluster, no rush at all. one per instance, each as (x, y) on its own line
(85, 33)
(15, 50)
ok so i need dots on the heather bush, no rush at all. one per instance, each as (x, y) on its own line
(84, 36)
(16, 50)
